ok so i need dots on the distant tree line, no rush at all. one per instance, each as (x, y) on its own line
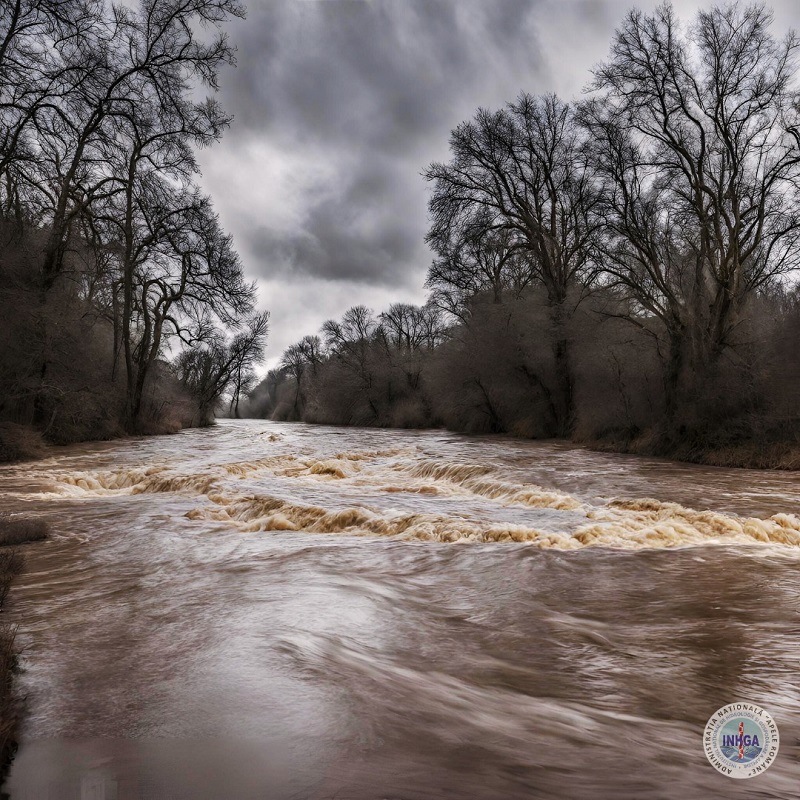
(124, 306)
(621, 270)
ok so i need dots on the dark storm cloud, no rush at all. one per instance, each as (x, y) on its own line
(368, 91)
(353, 231)
(381, 72)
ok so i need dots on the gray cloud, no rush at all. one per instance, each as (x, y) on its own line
(367, 91)
(382, 73)
(363, 227)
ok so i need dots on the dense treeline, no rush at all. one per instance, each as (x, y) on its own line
(621, 270)
(124, 306)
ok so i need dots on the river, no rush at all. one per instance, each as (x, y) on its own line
(265, 611)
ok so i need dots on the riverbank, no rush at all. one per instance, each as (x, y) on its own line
(24, 443)
(10, 565)
(14, 530)
(19, 443)
(765, 455)
(711, 451)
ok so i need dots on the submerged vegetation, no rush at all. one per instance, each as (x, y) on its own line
(124, 306)
(18, 530)
(620, 270)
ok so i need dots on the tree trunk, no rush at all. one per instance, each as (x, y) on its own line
(563, 397)
(673, 370)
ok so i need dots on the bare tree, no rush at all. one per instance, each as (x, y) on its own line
(101, 111)
(409, 327)
(39, 40)
(301, 362)
(216, 366)
(697, 145)
(131, 59)
(349, 340)
(193, 279)
(173, 257)
(525, 170)
(472, 259)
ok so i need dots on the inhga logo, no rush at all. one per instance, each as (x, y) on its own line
(741, 740)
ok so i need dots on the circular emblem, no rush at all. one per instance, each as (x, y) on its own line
(741, 740)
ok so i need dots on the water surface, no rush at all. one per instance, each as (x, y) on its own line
(267, 610)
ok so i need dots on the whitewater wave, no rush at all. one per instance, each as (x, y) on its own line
(266, 513)
(657, 524)
(130, 482)
(619, 523)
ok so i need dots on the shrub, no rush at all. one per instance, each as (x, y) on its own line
(18, 530)
(18, 442)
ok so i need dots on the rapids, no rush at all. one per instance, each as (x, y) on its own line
(266, 610)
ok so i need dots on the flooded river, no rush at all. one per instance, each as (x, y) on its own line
(267, 611)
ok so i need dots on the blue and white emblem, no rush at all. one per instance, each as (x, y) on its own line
(741, 740)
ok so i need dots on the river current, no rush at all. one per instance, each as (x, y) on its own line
(266, 611)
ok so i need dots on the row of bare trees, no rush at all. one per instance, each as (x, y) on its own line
(362, 370)
(637, 249)
(101, 113)
(675, 185)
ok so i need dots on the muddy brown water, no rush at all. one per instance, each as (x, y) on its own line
(266, 610)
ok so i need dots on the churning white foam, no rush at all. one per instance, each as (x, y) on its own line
(371, 475)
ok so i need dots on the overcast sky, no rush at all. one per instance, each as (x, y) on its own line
(339, 106)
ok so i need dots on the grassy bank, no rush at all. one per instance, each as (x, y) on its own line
(14, 530)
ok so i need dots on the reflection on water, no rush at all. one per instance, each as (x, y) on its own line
(281, 611)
